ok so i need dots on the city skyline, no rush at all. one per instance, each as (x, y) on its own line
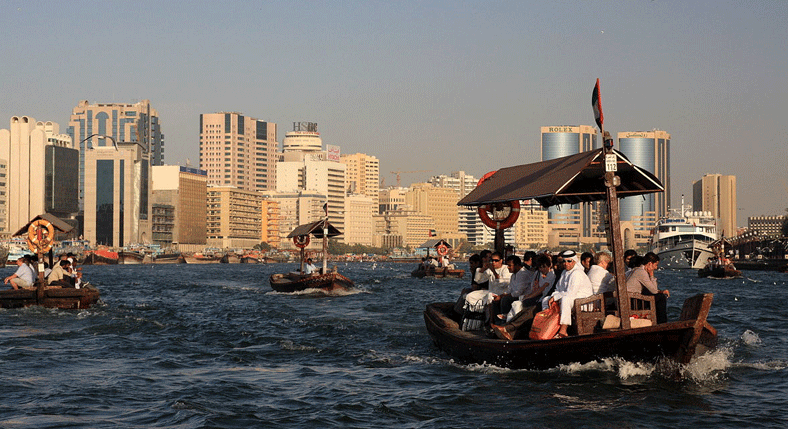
(432, 85)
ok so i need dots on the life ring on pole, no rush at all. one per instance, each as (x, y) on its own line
(301, 241)
(504, 214)
(39, 240)
(442, 250)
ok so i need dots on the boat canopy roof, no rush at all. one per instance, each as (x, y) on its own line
(316, 229)
(435, 242)
(56, 222)
(568, 180)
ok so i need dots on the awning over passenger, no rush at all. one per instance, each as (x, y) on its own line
(569, 180)
(314, 228)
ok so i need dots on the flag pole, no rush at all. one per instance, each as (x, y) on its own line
(613, 212)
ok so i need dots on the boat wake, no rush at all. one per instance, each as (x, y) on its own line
(317, 292)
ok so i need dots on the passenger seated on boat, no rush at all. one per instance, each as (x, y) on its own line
(628, 255)
(498, 274)
(543, 280)
(587, 260)
(573, 284)
(474, 263)
(601, 279)
(519, 285)
(23, 277)
(642, 280)
(60, 275)
(310, 268)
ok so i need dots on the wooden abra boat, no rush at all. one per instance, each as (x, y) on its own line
(294, 282)
(51, 297)
(691, 335)
(601, 174)
(438, 272)
(719, 272)
(40, 237)
(328, 281)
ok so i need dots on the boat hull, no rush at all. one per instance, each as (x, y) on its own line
(64, 298)
(692, 254)
(678, 340)
(130, 258)
(437, 272)
(288, 283)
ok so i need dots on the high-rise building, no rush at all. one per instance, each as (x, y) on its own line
(238, 151)
(131, 123)
(292, 209)
(359, 224)
(469, 223)
(185, 189)
(271, 217)
(564, 140)
(303, 166)
(438, 203)
(235, 217)
(531, 228)
(716, 193)
(362, 175)
(41, 171)
(649, 150)
(117, 206)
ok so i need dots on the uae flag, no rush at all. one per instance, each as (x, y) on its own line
(596, 101)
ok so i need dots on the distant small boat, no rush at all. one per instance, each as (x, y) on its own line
(327, 281)
(437, 272)
(294, 282)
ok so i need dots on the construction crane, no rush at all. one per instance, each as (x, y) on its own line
(398, 172)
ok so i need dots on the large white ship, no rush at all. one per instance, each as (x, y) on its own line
(682, 240)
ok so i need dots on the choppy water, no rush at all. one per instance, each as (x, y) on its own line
(213, 346)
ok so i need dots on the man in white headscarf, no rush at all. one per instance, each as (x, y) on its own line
(573, 284)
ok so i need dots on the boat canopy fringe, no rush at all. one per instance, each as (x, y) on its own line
(571, 179)
(316, 229)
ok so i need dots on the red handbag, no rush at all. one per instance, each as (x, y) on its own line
(546, 323)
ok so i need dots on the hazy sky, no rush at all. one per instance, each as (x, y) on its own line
(429, 85)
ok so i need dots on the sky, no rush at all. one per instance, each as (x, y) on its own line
(435, 86)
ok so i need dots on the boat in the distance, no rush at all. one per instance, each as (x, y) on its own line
(720, 266)
(40, 234)
(324, 280)
(683, 239)
(442, 249)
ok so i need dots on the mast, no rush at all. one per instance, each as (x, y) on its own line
(614, 221)
(325, 238)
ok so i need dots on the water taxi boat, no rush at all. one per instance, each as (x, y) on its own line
(299, 281)
(598, 175)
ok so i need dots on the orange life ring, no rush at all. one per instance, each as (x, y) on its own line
(301, 241)
(495, 222)
(442, 250)
(37, 240)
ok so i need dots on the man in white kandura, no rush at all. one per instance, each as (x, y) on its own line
(572, 285)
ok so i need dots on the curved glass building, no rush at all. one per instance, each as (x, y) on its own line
(649, 150)
(565, 140)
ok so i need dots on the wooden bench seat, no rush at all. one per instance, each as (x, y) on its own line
(589, 313)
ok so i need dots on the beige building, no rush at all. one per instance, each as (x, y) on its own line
(41, 173)
(238, 151)
(362, 175)
(235, 217)
(716, 193)
(359, 224)
(413, 227)
(117, 190)
(531, 228)
(438, 203)
(185, 189)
